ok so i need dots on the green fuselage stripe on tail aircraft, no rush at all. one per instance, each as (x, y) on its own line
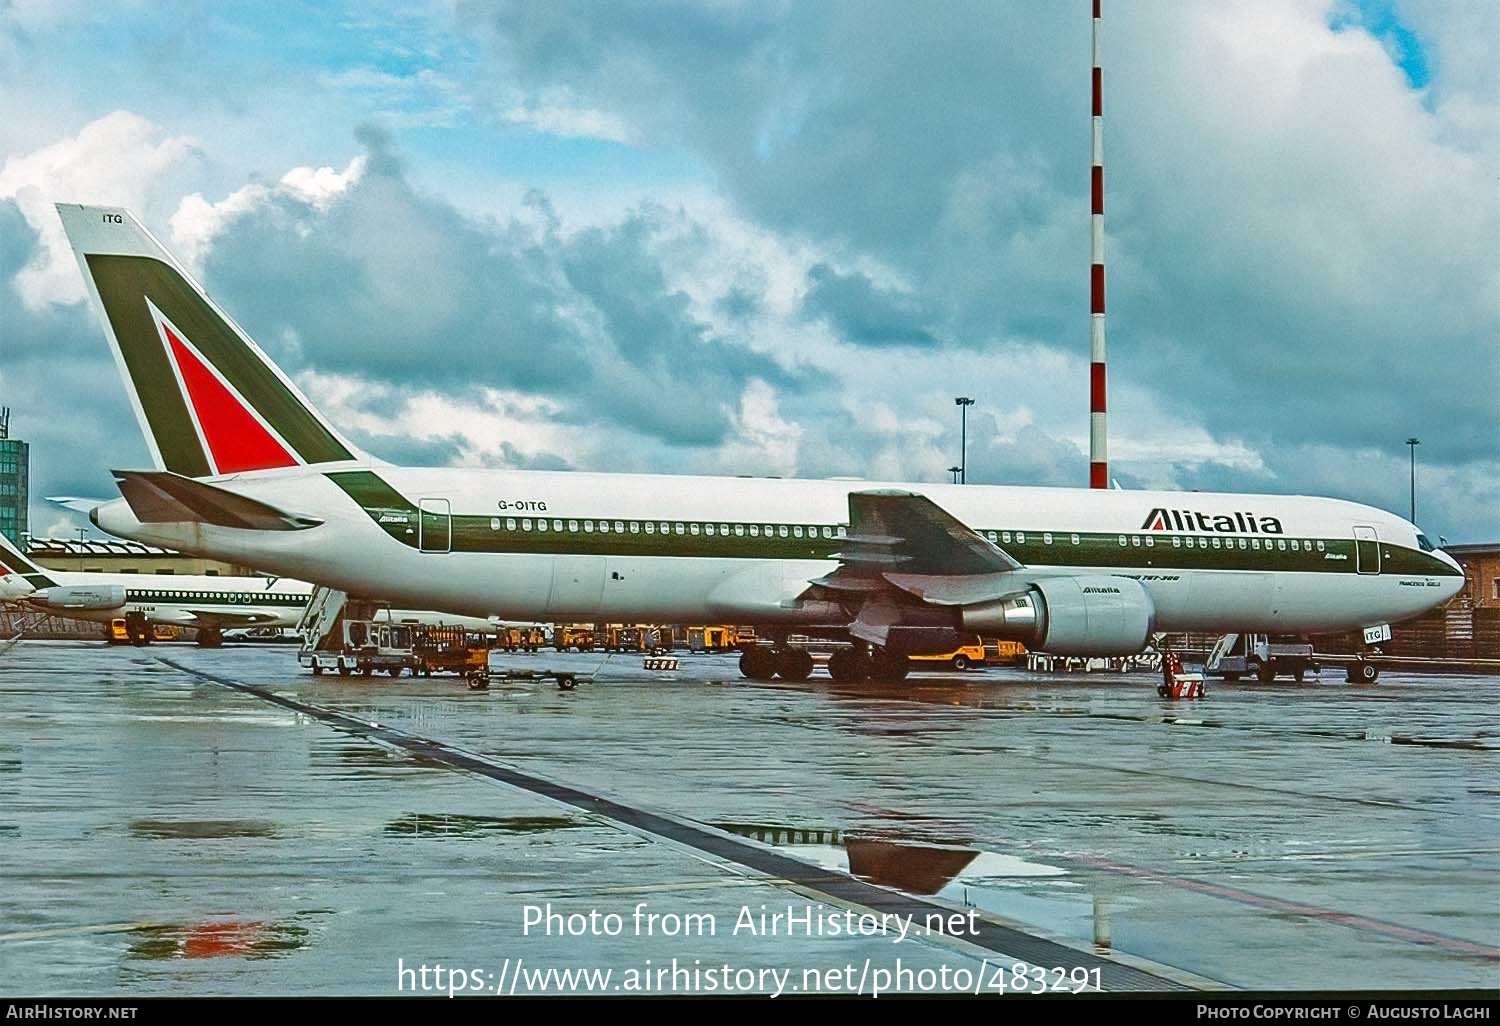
(399, 518)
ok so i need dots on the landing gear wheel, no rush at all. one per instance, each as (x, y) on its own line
(758, 663)
(960, 662)
(345, 670)
(794, 664)
(848, 666)
(888, 667)
(1362, 672)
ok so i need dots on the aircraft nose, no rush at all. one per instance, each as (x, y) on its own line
(1452, 585)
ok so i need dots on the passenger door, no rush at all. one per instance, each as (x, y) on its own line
(1366, 550)
(434, 525)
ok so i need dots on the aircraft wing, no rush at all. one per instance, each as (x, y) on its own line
(219, 618)
(906, 561)
(75, 503)
(903, 534)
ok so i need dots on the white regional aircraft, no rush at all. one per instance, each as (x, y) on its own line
(209, 604)
(247, 470)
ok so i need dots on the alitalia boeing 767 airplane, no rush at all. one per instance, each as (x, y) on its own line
(247, 470)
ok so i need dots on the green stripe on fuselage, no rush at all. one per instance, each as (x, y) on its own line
(234, 600)
(480, 534)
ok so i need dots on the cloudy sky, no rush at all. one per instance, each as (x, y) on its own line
(778, 238)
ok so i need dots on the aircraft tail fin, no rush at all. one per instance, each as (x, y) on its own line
(208, 399)
(15, 562)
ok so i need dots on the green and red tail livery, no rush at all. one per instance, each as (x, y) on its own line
(208, 399)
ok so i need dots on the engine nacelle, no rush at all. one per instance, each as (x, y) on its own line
(1083, 616)
(110, 596)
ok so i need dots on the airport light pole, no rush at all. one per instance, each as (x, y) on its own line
(963, 403)
(1412, 443)
(955, 471)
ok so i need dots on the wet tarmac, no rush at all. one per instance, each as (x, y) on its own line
(161, 833)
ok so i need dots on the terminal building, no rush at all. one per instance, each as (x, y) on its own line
(117, 556)
(15, 468)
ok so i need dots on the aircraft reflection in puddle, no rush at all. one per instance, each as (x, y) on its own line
(917, 867)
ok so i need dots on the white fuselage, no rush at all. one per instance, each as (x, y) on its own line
(191, 600)
(645, 548)
(181, 600)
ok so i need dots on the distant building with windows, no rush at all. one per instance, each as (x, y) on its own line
(116, 556)
(15, 470)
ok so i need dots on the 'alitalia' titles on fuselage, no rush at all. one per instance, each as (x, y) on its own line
(1163, 519)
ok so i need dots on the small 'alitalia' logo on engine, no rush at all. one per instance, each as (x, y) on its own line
(1162, 519)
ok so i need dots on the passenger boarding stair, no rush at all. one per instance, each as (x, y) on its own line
(322, 622)
(1222, 647)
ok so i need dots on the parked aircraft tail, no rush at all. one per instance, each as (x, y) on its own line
(208, 399)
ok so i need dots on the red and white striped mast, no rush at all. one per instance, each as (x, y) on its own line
(1098, 435)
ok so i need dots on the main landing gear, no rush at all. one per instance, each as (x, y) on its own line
(763, 663)
(845, 666)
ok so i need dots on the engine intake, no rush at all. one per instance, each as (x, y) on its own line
(1083, 616)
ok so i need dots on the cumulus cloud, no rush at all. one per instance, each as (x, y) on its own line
(1300, 235)
(119, 159)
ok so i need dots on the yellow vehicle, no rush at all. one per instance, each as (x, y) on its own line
(717, 638)
(1012, 653)
(971, 653)
(450, 650)
(134, 629)
(579, 636)
(619, 637)
(520, 639)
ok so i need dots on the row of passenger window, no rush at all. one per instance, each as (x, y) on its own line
(542, 525)
(1254, 544)
(168, 596)
(1178, 541)
(652, 527)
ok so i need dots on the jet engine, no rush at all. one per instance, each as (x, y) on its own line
(1084, 616)
(110, 596)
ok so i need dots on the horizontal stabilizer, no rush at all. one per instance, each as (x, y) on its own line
(75, 503)
(162, 497)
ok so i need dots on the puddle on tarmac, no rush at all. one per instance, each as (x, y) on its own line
(201, 829)
(428, 824)
(226, 938)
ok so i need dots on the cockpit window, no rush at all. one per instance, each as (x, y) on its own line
(1423, 543)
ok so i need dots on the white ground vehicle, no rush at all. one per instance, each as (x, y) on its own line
(1262, 656)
